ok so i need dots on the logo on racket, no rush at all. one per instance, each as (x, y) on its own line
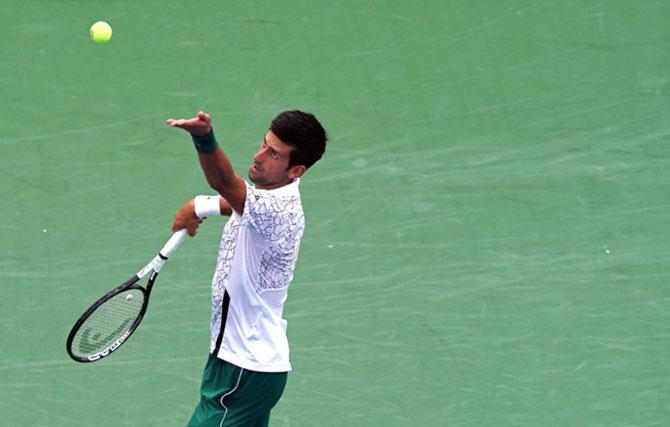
(89, 344)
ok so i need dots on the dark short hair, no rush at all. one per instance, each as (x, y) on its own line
(304, 133)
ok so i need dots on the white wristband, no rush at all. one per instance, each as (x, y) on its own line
(206, 206)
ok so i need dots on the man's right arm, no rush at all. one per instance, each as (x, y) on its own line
(185, 217)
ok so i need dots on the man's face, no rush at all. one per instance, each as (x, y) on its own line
(270, 169)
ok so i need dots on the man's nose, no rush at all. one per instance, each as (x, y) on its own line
(259, 154)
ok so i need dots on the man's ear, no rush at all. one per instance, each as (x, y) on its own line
(296, 171)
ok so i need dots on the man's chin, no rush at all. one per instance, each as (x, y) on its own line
(254, 178)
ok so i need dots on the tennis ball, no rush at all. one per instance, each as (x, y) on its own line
(101, 32)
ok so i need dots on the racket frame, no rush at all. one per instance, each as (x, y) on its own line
(154, 266)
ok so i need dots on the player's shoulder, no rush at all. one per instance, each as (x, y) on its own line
(286, 197)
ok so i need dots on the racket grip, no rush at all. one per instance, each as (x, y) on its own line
(173, 244)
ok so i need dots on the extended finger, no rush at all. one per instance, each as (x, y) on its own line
(175, 122)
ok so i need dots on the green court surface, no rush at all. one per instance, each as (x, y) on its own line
(487, 237)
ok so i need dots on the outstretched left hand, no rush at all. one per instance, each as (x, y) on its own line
(199, 125)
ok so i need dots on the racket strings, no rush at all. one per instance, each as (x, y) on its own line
(108, 323)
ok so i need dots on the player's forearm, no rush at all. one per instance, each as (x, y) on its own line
(218, 170)
(214, 163)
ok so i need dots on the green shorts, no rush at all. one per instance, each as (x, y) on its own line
(232, 396)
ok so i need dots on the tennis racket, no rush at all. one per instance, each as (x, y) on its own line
(113, 318)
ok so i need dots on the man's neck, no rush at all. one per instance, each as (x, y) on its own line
(274, 186)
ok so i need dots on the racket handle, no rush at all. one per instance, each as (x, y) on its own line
(173, 244)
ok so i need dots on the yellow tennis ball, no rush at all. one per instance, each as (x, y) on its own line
(101, 32)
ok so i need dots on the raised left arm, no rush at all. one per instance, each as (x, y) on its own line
(214, 163)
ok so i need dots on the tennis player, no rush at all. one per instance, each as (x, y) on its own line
(247, 368)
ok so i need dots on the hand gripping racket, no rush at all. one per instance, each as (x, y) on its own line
(112, 319)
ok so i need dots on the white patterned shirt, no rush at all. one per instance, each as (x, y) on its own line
(257, 256)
